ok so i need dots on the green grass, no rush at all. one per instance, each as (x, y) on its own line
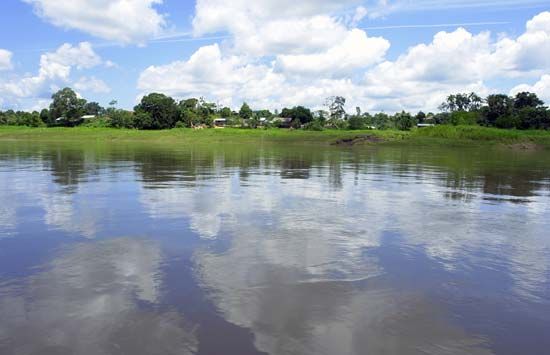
(481, 135)
(454, 135)
(187, 135)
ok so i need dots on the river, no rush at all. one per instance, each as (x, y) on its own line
(271, 249)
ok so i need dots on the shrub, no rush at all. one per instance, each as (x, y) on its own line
(315, 125)
(121, 119)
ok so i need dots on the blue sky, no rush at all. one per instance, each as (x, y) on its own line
(271, 53)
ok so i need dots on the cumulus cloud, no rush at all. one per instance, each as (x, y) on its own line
(529, 52)
(300, 58)
(354, 52)
(92, 84)
(5, 59)
(206, 71)
(54, 71)
(125, 21)
(541, 88)
(212, 15)
(289, 36)
(458, 61)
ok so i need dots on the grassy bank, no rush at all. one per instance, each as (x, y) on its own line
(190, 136)
(458, 135)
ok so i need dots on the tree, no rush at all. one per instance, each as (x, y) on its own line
(191, 104)
(420, 116)
(336, 107)
(121, 119)
(527, 99)
(245, 112)
(462, 102)
(93, 108)
(225, 112)
(300, 113)
(162, 110)
(45, 115)
(497, 106)
(263, 113)
(530, 117)
(68, 106)
(205, 109)
(189, 117)
(286, 112)
(404, 121)
(321, 115)
(356, 122)
(382, 121)
(143, 120)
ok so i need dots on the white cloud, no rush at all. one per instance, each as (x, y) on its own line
(354, 52)
(273, 62)
(125, 21)
(242, 15)
(92, 84)
(289, 36)
(205, 73)
(451, 57)
(458, 61)
(5, 60)
(360, 13)
(541, 88)
(58, 64)
(54, 71)
(529, 52)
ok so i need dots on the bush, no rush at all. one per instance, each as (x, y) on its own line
(463, 118)
(296, 123)
(315, 125)
(357, 122)
(97, 122)
(337, 124)
(507, 122)
(404, 121)
(143, 120)
(121, 119)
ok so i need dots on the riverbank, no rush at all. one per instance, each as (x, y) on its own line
(458, 135)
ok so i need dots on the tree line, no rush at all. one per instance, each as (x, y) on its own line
(158, 111)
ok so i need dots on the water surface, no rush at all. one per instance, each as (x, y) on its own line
(266, 249)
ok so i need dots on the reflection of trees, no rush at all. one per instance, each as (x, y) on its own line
(463, 170)
(86, 302)
(67, 166)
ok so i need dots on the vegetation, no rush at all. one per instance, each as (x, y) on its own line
(462, 116)
(439, 135)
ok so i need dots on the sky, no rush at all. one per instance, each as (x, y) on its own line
(381, 55)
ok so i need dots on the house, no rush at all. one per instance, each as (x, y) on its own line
(220, 122)
(423, 125)
(82, 118)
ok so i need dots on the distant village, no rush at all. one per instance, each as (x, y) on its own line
(159, 111)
